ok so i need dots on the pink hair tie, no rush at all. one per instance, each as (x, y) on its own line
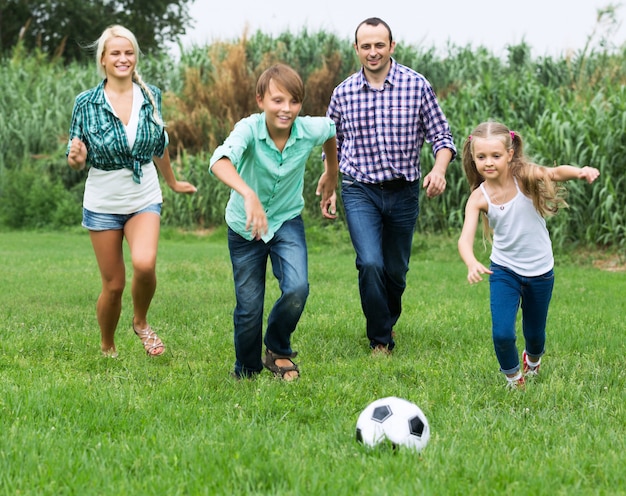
(512, 134)
(469, 137)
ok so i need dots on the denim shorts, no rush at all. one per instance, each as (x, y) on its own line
(106, 222)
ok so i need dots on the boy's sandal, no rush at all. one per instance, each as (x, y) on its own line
(269, 362)
(151, 342)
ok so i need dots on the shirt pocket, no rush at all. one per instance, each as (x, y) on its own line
(400, 118)
(104, 142)
(150, 139)
(401, 130)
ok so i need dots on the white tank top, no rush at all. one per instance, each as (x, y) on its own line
(521, 240)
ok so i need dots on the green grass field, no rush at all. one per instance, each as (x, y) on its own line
(75, 423)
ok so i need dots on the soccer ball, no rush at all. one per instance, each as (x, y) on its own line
(395, 420)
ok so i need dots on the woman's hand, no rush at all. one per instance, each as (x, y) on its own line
(77, 157)
(183, 187)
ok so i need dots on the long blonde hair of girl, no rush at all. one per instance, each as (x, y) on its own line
(547, 196)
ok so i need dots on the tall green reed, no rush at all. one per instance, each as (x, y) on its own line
(569, 109)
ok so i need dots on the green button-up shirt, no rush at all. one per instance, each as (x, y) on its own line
(94, 122)
(276, 177)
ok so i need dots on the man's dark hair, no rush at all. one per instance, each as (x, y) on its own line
(373, 21)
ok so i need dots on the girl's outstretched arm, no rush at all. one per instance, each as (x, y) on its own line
(475, 269)
(569, 172)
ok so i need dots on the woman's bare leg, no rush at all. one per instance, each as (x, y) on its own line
(107, 246)
(142, 235)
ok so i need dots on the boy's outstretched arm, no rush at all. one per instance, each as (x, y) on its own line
(327, 184)
(256, 219)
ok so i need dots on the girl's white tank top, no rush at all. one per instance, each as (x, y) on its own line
(521, 240)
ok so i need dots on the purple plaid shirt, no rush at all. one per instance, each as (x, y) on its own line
(380, 133)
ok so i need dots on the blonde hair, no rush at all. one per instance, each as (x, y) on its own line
(547, 196)
(117, 31)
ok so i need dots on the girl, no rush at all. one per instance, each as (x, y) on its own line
(514, 195)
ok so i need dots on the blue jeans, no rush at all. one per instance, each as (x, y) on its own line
(381, 220)
(288, 253)
(507, 290)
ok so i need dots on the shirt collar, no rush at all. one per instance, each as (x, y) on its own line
(295, 133)
(390, 78)
(98, 94)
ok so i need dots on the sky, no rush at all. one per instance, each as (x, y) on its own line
(549, 27)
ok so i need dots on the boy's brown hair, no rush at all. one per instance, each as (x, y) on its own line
(283, 76)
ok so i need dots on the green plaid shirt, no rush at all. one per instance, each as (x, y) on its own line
(95, 124)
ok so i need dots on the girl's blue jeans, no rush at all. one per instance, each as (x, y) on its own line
(381, 220)
(508, 291)
(287, 251)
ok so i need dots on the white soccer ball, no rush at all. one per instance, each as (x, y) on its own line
(394, 420)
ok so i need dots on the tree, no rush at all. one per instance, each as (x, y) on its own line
(63, 28)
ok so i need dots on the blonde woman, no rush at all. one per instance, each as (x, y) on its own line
(117, 130)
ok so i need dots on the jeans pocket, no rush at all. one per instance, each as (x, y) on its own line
(347, 181)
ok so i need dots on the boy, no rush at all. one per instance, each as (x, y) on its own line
(263, 161)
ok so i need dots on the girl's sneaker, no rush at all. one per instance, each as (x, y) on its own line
(528, 370)
(516, 383)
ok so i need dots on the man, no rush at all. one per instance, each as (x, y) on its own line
(383, 115)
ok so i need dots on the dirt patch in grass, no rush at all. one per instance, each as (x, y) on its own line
(610, 264)
(608, 260)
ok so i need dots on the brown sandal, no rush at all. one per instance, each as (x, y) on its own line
(269, 362)
(150, 340)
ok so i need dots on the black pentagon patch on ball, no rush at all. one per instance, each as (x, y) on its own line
(416, 426)
(381, 413)
(359, 435)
